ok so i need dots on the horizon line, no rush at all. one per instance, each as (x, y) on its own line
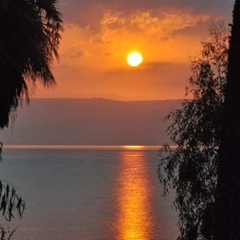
(109, 99)
(96, 147)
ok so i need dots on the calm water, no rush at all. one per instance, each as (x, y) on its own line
(89, 193)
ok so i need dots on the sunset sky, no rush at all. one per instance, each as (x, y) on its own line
(99, 35)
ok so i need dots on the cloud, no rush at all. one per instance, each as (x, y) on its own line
(79, 53)
(156, 65)
(146, 24)
(91, 11)
(158, 35)
(112, 29)
(144, 31)
(99, 35)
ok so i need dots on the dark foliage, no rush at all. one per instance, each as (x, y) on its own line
(29, 39)
(191, 168)
(227, 210)
(9, 200)
(6, 234)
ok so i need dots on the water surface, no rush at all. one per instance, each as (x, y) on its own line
(89, 193)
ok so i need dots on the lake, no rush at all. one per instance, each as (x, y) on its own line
(89, 193)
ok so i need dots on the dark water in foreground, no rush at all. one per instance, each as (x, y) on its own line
(89, 193)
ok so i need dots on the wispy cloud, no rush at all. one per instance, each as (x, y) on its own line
(99, 34)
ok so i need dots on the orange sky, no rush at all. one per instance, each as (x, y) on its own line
(99, 35)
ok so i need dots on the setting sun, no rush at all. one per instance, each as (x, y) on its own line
(134, 59)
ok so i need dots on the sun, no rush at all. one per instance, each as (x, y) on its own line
(134, 59)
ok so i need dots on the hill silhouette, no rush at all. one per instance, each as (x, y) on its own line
(90, 122)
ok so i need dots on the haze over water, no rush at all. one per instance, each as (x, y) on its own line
(89, 193)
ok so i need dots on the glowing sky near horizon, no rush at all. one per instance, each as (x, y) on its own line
(99, 35)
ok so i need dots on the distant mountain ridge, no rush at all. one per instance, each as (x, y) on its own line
(93, 121)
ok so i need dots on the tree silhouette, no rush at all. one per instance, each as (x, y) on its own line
(191, 168)
(29, 39)
(227, 214)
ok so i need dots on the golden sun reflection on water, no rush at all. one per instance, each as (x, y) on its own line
(134, 218)
(133, 147)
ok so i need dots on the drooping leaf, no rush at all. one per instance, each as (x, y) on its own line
(191, 167)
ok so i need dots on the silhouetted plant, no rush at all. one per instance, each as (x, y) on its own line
(29, 40)
(9, 200)
(227, 210)
(6, 234)
(191, 168)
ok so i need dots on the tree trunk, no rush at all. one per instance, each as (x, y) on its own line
(227, 207)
